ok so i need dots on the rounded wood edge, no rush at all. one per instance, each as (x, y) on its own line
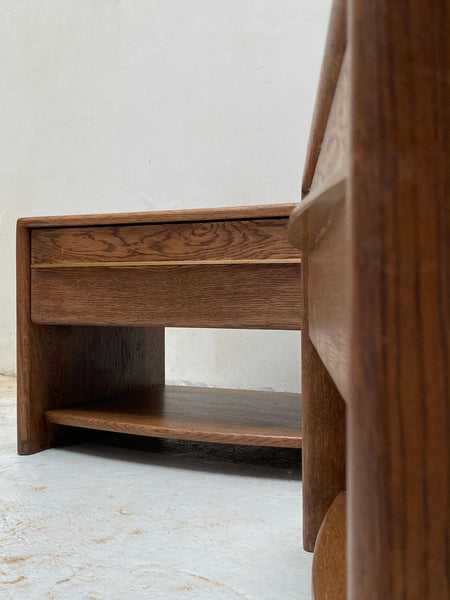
(329, 577)
(330, 192)
(329, 75)
(252, 211)
(176, 432)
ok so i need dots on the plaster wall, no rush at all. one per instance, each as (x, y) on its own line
(131, 105)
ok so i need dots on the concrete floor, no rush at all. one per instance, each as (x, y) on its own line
(125, 518)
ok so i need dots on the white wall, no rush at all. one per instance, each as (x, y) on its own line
(130, 105)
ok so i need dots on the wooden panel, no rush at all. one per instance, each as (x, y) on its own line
(323, 432)
(324, 443)
(328, 247)
(233, 213)
(62, 365)
(323, 454)
(329, 290)
(207, 241)
(335, 148)
(331, 68)
(200, 414)
(399, 428)
(320, 202)
(237, 296)
(329, 575)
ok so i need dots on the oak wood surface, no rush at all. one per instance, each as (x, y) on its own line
(322, 200)
(324, 442)
(323, 455)
(327, 223)
(329, 75)
(399, 427)
(324, 446)
(322, 219)
(316, 226)
(97, 329)
(236, 296)
(61, 365)
(329, 573)
(329, 280)
(199, 414)
(242, 240)
(323, 427)
(334, 154)
(232, 213)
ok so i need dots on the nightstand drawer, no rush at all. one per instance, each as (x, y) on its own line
(94, 293)
(240, 240)
(230, 274)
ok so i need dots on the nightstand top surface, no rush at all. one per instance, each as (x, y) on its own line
(262, 211)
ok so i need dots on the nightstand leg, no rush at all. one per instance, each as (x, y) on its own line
(63, 365)
(323, 450)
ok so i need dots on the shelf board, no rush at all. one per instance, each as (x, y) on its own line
(191, 413)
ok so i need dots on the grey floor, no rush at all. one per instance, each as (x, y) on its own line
(119, 517)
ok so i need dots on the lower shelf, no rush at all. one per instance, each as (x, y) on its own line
(189, 413)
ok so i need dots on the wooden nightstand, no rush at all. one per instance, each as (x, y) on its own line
(94, 294)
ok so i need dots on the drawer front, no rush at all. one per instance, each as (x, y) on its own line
(242, 240)
(232, 274)
(260, 296)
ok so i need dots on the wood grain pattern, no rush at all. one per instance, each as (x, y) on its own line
(62, 365)
(324, 446)
(95, 329)
(323, 455)
(329, 75)
(322, 200)
(328, 242)
(231, 213)
(334, 151)
(237, 296)
(329, 280)
(199, 414)
(322, 220)
(329, 565)
(201, 241)
(323, 430)
(399, 426)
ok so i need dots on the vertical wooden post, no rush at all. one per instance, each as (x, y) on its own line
(323, 431)
(399, 410)
(323, 409)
